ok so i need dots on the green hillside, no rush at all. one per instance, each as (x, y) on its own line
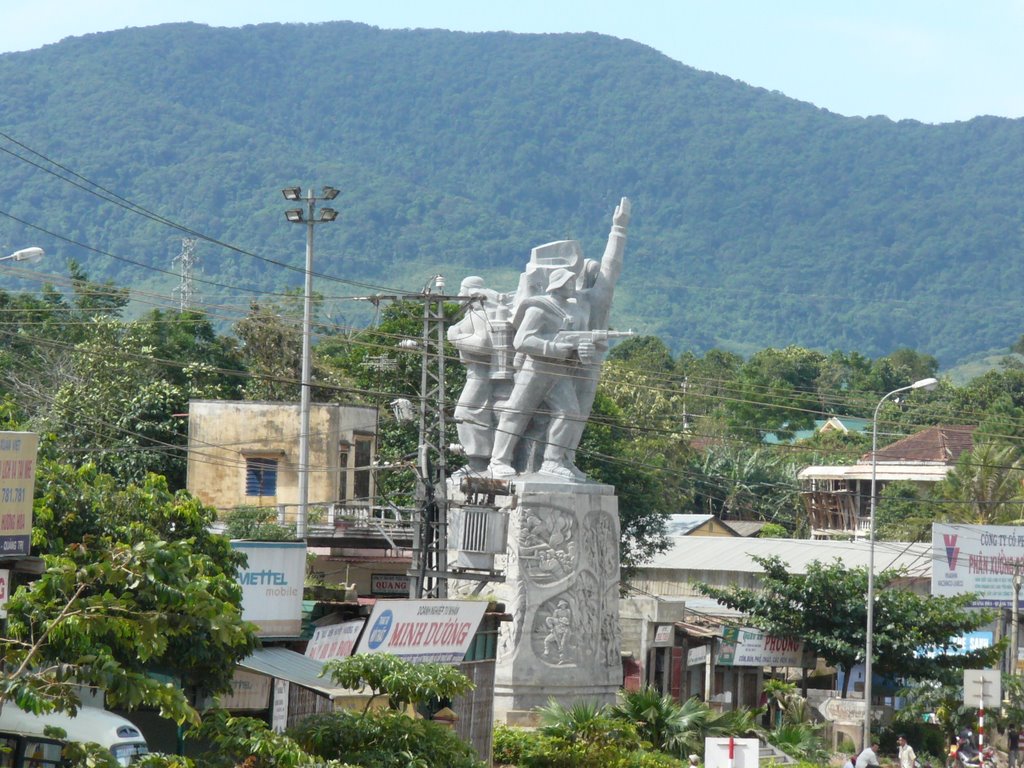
(758, 220)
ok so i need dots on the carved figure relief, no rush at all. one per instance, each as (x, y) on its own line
(599, 529)
(556, 632)
(547, 545)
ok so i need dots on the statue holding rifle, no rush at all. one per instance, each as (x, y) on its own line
(559, 317)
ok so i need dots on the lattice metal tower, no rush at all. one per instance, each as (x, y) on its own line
(185, 261)
(430, 557)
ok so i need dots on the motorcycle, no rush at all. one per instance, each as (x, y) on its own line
(962, 756)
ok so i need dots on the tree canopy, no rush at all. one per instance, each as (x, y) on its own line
(915, 636)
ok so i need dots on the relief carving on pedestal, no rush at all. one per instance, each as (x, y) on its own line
(547, 546)
(556, 632)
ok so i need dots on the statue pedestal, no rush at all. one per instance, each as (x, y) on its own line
(562, 589)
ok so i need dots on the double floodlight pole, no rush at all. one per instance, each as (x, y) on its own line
(309, 218)
(926, 384)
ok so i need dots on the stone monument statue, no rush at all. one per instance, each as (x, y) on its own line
(533, 358)
(559, 323)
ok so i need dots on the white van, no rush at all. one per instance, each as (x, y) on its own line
(23, 744)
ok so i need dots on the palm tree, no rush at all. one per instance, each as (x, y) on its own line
(778, 693)
(681, 728)
(658, 719)
(985, 487)
(586, 722)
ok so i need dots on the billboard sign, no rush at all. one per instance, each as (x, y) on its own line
(981, 559)
(17, 483)
(423, 630)
(335, 641)
(745, 647)
(272, 586)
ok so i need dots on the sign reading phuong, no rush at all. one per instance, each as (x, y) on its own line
(17, 483)
(750, 648)
(423, 630)
(272, 586)
(981, 559)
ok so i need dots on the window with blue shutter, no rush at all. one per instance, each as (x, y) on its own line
(260, 476)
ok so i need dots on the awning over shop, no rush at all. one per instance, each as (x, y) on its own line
(288, 665)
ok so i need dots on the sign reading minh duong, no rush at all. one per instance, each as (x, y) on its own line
(272, 586)
(744, 647)
(422, 630)
(977, 558)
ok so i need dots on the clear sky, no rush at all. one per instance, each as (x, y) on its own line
(929, 60)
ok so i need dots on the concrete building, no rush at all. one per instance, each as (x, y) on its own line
(247, 454)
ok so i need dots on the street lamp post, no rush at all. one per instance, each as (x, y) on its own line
(26, 256)
(929, 383)
(296, 216)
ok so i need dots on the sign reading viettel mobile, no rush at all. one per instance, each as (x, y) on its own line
(17, 482)
(272, 586)
(751, 648)
(423, 630)
(977, 558)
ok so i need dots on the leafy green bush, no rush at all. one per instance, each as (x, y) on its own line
(799, 740)
(512, 745)
(383, 739)
(258, 524)
(642, 759)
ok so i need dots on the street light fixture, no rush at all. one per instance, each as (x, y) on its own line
(927, 384)
(31, 255)
(296, 216)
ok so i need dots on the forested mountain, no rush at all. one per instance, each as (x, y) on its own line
(758, 220)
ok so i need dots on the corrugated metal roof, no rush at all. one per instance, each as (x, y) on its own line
(295, 668)
(710, 553)
(746, 527)
(917, 471)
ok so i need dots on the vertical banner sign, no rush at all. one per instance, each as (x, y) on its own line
(279, 713)
(5, 591)
(272, 586)
(17, 482)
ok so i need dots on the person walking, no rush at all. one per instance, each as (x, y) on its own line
(905, 754)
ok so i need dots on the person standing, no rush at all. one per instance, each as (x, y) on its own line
(905, 753)
(1013, 744)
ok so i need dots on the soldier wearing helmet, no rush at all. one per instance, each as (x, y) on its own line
(544, 379)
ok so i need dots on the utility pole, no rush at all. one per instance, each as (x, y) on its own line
(429, 570)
